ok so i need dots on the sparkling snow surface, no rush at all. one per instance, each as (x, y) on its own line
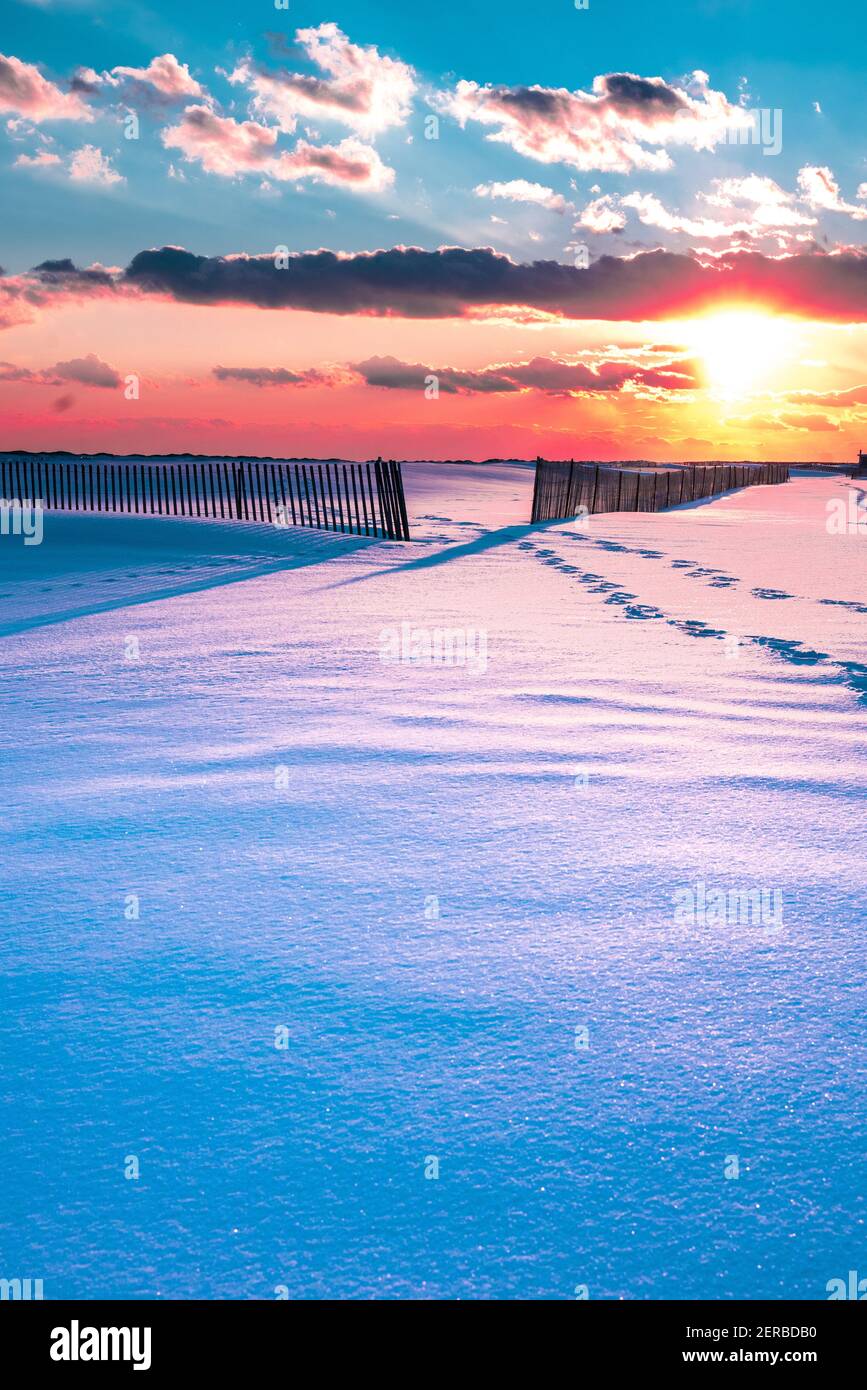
(666, 700)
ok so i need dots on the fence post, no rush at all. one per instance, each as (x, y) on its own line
(384, 509)
(534, 513)
(391, 493)
(401, 499)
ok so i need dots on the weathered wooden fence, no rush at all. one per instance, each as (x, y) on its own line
(563, 489)
(361, 499)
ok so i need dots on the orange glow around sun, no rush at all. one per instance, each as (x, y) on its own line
(742, 351)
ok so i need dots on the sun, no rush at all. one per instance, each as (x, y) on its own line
(741, 350)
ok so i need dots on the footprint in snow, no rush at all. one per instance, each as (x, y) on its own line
(694, 628)
(845, 603)
(642, 610)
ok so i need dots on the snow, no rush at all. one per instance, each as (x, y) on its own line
(430, 876)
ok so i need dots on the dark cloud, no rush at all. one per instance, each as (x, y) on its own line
(409, 376)
(412, 283)
(628, 93)
(85, 81)
(536, 101)
(552, 375)
(408, 282)
(66, 274)
(318, 89)
(89, 371)
(271, 376)
(281, 46)
(9, 372)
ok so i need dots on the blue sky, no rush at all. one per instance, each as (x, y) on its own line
(791, 54)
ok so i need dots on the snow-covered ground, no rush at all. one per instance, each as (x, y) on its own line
(298, 922)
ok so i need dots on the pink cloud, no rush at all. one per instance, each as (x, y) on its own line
(25, 92)
(85, 165)
(37, 161)
(220, 144)
(49, 284)
(820, 423)
(86, 371)
(165, 74)
(350, 164)
(228, 147)
(90, 165)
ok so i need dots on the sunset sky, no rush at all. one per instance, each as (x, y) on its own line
(464, 231)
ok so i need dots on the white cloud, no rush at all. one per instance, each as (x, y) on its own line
(602, 216)
(624, 123)
(363, 89)
(771, 205)
(756, 206)
(522, 191)
(820, 190)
